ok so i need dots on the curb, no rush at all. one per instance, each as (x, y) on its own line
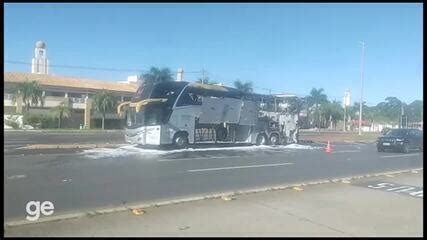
(198, 198)
(68, 146)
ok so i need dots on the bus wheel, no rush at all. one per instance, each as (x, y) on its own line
(180, 140)
(274, 139)
(261, 139)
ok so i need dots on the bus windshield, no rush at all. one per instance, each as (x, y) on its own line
(150, 115)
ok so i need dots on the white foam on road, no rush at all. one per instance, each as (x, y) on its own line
(298, 146)
(97, 153)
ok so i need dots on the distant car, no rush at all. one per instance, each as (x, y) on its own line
(401, 139)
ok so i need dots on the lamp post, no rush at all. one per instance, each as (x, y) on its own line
(361, 90)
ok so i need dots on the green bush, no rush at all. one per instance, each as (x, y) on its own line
(49, 122)
(31, 119)
(40, 121)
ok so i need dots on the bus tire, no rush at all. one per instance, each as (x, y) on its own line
(274, 139)
(261, 139)
(180, 140)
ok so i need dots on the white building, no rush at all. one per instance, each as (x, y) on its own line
(133, 79)
(40, 64)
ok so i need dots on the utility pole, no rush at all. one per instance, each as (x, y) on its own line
(203, 78)
(361, 90)
(401, 115)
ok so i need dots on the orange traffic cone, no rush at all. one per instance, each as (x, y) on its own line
(328, 148)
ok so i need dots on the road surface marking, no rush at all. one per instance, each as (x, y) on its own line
(185, 159)
(413, 191)
(13, 145)
(401, 155)
(17, 140)
(346, 151)
(16, 177)
(237, 167)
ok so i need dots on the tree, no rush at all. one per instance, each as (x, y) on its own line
(104, 101)
(393, 108)
(156, 75)
(295, 105)
(152, 77)
(316, 98)
(30, 92)
(244, 87)
(333, 111)
(206, 80)
(414, 111)
(61, 111)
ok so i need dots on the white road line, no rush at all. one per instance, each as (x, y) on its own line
(13, 145)
(401, 155)
(16, 177)
(185, 159)
(346, 151)
(237, 167)
(17, 140)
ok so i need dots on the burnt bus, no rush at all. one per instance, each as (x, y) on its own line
(183, 113)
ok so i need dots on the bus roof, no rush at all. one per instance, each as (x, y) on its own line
(213, 90)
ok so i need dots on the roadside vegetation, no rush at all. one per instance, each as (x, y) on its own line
(104, 102)
(323, 113)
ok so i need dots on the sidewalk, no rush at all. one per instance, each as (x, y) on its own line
(331, 209)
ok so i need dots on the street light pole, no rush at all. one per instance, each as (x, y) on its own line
(361, 90)
(203, 77)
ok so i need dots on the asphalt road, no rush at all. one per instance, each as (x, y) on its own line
(76, 181)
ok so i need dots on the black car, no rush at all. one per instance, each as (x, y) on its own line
(401, 139)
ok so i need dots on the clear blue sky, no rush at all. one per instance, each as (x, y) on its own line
(285, 47)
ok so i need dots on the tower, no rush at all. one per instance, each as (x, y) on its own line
(40, 64)
(180, 75)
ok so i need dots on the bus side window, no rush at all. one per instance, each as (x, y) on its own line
(187, 99)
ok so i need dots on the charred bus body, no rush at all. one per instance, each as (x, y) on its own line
(182, 113)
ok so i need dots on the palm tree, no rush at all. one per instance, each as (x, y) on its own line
(244, 87)
(30, 92)
(156, 75)
(149, 79)
(104, 101)
(316, 98)
(61, 111)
